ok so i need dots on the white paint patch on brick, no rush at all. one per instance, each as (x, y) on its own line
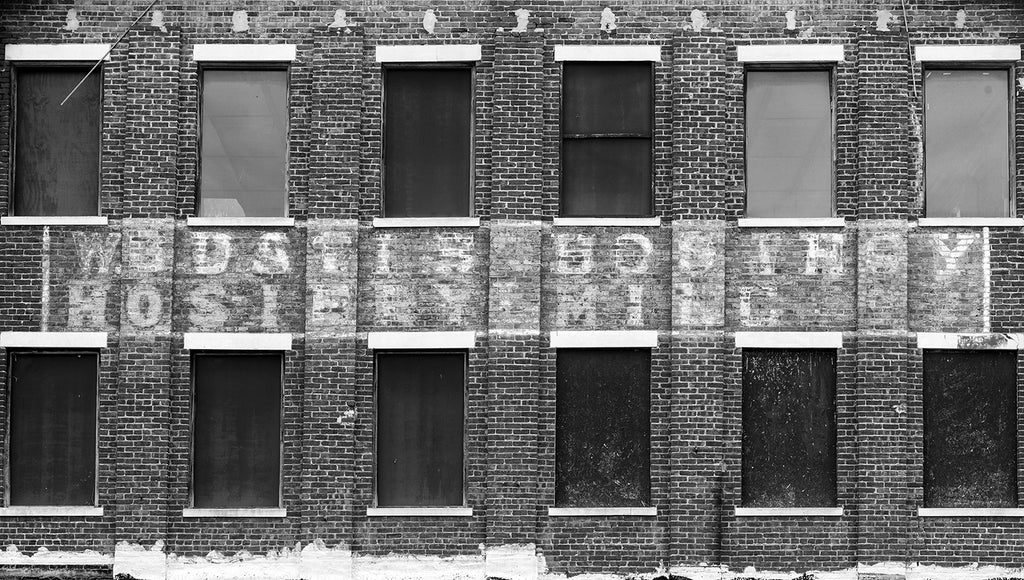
(157, 21)
(457, 252)
(824, 254)
(883, 19)
(87, 305)
(576, 306)
(754, 309)
(384, 253)
(961, 19)
(575, 253)
(270, 308)
(271, 254)
(791, 20)
(206, 310)
(137, 561)
(608, 20)
(512, 562)
(211, 252)
(240, 21)
(429, 21)
(522, 20)
(952, 248)
(96, 253)
(698, 20)
(71, 22)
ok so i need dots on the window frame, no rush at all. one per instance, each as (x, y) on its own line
(192, 423)
(464, 352)
(584, 136)
(385, 66)
(82, 65)
(234, 65)
(1011, 84)
(9, 363)
(829, 67)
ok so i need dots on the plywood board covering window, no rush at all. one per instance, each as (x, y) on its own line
(428, 136)
(970, 428)
(606, 139)
(52, 426)
(57, 148)
(789, 428)
(789, 143)
(967, 143)
(236, 430)
(603, 428)
(244, 164)
(420, 427)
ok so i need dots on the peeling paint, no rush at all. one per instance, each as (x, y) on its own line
(71, 22)
(240, 21)
(961, 18)
(884, 19)
(157, 21)
(608, 20)
(429, 20)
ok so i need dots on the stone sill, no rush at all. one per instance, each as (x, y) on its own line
(234, 513)
(43, 220)
(601, 511)
(819, 222)
(969, 512)
(18, 339)
(266, 222)
(426, 222)
(607, 221)
(788, 511)
(976, 222)
(443, 512)
(50, 511)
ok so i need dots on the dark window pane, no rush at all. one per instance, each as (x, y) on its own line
(245, 143)
(967, 143)
(603, 428)
(57, 148)
(420, 399)
(970, 428)
(427, 142)
(789, 428)
(606, 177)
(789, 144)
(606, 98)
(236, 430)
(53, 428)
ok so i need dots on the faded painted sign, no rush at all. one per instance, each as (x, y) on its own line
(948, 281)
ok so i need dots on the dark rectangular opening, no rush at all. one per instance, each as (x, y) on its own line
(53, 428)
(603, 428)
(236, 430)
(428, 140)
(244, 159)
(789, 428)
(420, 417)
(607, 124)
(57, 148)
(970, 428)
(789, 143)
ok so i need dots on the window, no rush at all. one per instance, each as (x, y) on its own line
(789, 428)
(970, 428)
(967, 143)
(244, 161)
(420, 412)
(428, 136)
(57, 148)
(236, 430)
(606, 139)
(52, 437)
(789, 143)
(603, 428)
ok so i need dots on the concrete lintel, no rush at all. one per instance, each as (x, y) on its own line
(789, 340)
(421, 340)
(607, 52)
(788, 511)
(604, 338)
(967, 53)
(238, 341)
(53, 339)
(969, 340)
(428, 53)
(85, 52)
(248, 52)
(790, 53)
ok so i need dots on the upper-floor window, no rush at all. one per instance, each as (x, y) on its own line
(789, 125)
(244, 143)
(607, 140)
(56, 147)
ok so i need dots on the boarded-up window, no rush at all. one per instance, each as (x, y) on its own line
(789, 428)
(244, 165)
(420, 402)
(606, 139)
(970, 428)
(428, 130)
(967, 143)
(57, 148)
(789, 144)
(603, 428)
(236, 430)
(53, 428)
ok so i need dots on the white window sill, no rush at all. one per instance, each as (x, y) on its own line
(788, 512)
(237, 340)
(975, 222)
(46, 220)
(604, 339)
(266, 222)
(234, 513)
(443, 512)
(607, 221)
(601, 511)
(820, 222)
(767, 339)
(421, 340)
(969, 512)
(970, 341)
(50, 511)
(17, 339)
(426, 222)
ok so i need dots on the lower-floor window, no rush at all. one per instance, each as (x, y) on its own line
(603, 428)
(970, 428)
(236, 430)
(420, 426)
(789, 428)
(52, 442)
